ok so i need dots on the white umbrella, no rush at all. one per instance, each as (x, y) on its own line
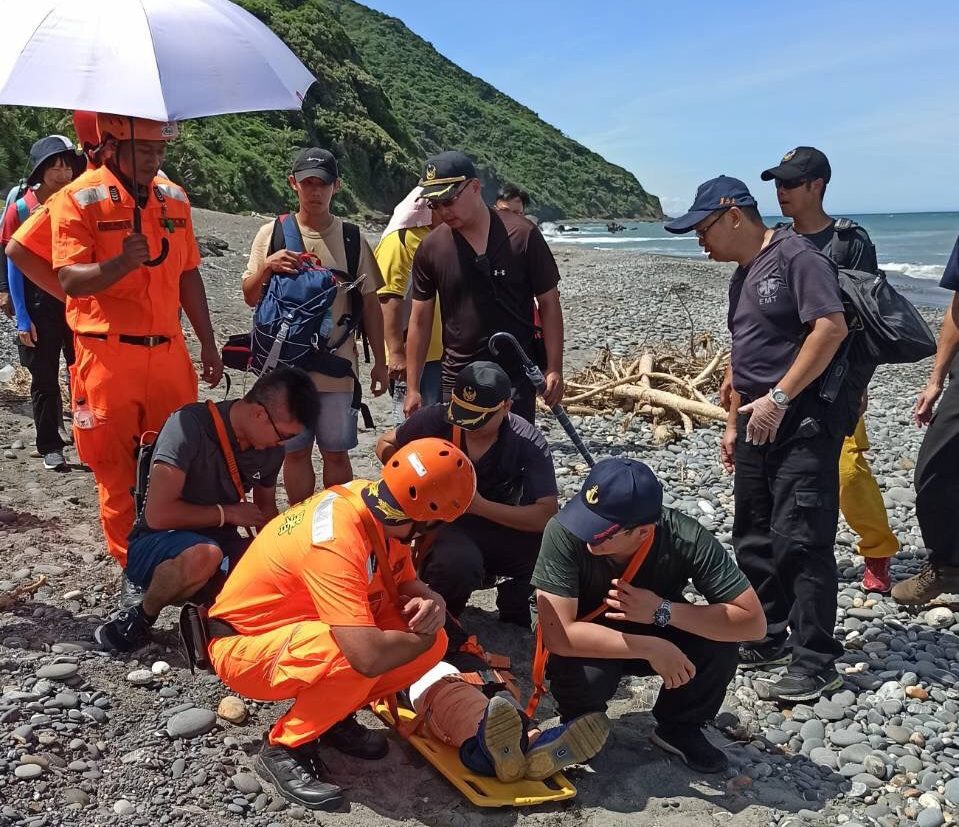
(159, 59)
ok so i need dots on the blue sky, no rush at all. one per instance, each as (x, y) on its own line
(679, 92)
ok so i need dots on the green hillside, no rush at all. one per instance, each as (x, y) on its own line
(385, 99)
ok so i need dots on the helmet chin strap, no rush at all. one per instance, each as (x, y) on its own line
(417, 529)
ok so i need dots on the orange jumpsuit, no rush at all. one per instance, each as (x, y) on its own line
(130, 387)
(311, 568)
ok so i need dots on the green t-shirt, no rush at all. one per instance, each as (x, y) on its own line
(682, 551)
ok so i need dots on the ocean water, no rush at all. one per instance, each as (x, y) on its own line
(914, 244)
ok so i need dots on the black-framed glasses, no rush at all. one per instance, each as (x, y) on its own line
(279, 434)
(447, 202)
(701, 234)
(791, 185)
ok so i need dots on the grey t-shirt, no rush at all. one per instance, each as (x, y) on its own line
(771, 301)
(188, 441)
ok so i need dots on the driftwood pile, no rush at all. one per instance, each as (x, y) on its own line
(660, 383)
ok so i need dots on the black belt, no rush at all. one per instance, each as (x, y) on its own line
(219, 628)
(144, 341)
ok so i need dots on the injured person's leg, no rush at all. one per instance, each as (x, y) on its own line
(493, 734)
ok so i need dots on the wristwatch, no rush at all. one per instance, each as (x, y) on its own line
(780, 397)
(663, 614)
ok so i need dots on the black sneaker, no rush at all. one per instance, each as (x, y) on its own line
(350, 737)
(763, 655)
(794, 687)
(299, 775)
(130, 594)
(688, 742)
(129, 629)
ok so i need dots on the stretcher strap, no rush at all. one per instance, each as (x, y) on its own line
(541, 653)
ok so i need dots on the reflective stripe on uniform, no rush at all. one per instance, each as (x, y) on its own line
(91, 195)
(173, 191)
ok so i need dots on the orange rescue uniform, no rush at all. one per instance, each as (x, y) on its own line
(311, 568)
(131, 387)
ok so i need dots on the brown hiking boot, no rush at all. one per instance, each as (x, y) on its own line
(927, 585)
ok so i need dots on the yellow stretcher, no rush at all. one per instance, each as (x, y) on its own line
(479, 789)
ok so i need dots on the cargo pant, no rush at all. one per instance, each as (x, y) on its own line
(302, 662)
(860, 498)
(131, 389)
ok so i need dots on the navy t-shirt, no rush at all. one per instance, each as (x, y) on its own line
(772, 300)
(950, 278)
(516, 470)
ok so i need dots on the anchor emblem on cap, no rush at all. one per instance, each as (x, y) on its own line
(469, 394)
(592, 495)
(430, 172)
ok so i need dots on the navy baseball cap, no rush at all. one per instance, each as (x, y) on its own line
(618, 493)
(480, 392)
(314, 162)
(715, 194)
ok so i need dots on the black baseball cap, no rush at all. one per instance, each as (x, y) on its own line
(618, 493)
(479, 394)
(314, 162)
(714, 194)
(802, 162)
(47, 148)
(443, 173)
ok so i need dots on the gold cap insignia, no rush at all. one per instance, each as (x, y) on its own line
(592, 495)
(469, 394)
(788, 156)
(430, 172)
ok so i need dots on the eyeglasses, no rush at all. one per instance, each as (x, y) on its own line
(447, 202)
(701, 234)
(790, 185)
(279, 434)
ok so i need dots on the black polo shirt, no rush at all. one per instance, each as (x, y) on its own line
(481, 295)
(516, 470)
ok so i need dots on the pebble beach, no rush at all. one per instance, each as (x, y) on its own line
(91, 739)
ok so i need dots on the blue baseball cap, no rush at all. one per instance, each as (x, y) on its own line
(618, 493)
(715, 194)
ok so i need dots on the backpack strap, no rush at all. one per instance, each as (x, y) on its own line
(23, 210)
(292, 237)
(541, 653)
(844, 233)
(351, 244)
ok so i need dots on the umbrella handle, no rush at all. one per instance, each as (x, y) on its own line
(164, 243)
(530, 368)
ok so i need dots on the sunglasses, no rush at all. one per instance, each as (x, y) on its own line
(446, 202)
(701, 234)
(791, 185)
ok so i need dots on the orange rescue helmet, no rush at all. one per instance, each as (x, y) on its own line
(85, 125)
(119, 127)
(430, 479)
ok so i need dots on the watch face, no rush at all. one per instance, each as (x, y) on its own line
(662, 616)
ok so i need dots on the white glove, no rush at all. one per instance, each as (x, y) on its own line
(765, 417)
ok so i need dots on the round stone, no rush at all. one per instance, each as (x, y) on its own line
(161, 667)
(123, 807)
(232, 709)
(930, 817)
(940, 616)
(191, 723)
(846, 737)
(140, 677)
(27, 771)
(814, 729)
(58, 671)
(897, 734)
(952, 791)
(246, 783)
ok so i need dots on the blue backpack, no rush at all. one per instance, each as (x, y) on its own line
(293, 320)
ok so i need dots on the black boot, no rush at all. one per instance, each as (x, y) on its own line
(350, 737)
(299, 775)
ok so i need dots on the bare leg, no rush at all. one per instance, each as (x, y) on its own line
(298, 475)
(337, 469)
(181, 577)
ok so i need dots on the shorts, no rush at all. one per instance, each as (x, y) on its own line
(148, 550)
(336, 425)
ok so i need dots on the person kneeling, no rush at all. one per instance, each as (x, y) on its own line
(492, 734)
(647, 627)
(325, 609)
(187, 531)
